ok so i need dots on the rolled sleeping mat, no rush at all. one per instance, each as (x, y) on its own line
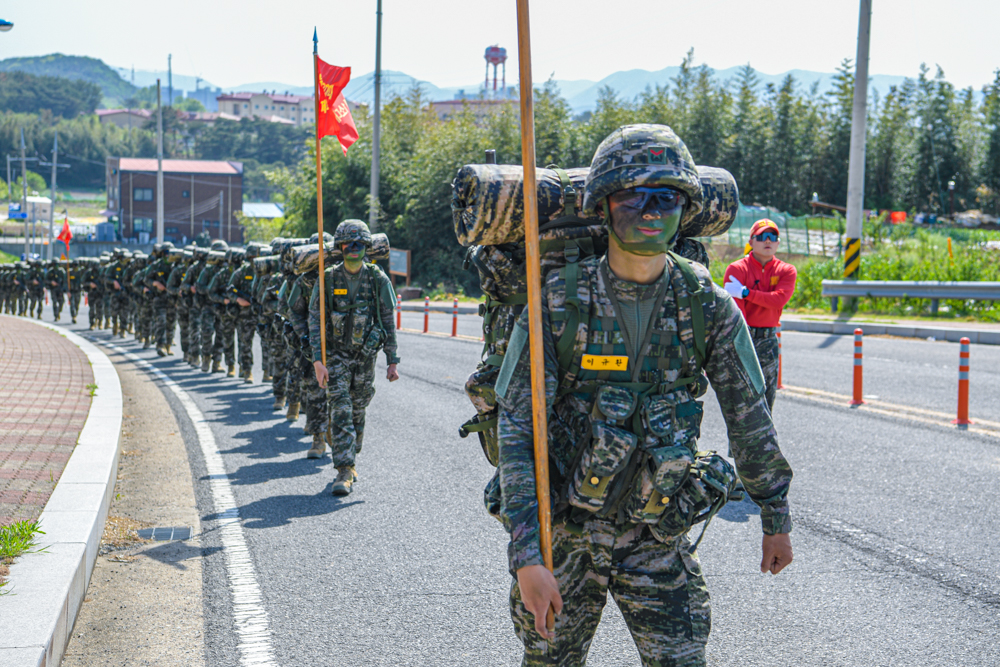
(216, 256)
(488, 202)
(307, 257)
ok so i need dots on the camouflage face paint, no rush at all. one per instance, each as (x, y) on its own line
(643, 221)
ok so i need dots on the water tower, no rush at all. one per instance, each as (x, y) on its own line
(496, 56)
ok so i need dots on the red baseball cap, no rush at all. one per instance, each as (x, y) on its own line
(758, 228)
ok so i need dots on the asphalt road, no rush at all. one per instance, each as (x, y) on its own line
(895, 522)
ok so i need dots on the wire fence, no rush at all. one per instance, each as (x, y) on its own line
(800, 235)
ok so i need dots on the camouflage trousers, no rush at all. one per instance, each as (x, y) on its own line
(181, 314)
(22, 303)
(765, 341)
(211, 340)
(165, 322)
(227, 330)
(194, 326)
(351, 389)
(144, 319)
(313, 397)
(280, 357)
(74, 303)
(95, 310)
(246, 325)
(58, 300)
(36, 299)
(658, 586)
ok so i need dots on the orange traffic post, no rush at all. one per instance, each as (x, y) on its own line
(858, 335)
(427, 311)
(963, 386)
(454, 319)
(780, 386)
(399, 311)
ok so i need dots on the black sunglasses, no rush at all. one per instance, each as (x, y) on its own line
(766, 236)
(639, 198)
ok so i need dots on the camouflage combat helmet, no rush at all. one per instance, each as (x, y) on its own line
(643, 155)
(352, 230)
(253, 250)
(219, 244)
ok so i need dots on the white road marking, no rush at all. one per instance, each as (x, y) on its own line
(252, 626)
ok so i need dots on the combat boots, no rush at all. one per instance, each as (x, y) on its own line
(318, 448)
(231, 371)
(206, 363)
(293, 411)
(169, 351)
(266, 377)
(279, 403)
(248, 377)
(346, 477)
(217, 366)
(114, 330)
(74, 320)
(161, 351)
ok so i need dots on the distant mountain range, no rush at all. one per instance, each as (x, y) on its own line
(582, 95)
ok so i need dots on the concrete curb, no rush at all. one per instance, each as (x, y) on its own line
(977, 336)
(47, 588)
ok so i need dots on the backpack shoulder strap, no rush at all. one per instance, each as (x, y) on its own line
(696, 297)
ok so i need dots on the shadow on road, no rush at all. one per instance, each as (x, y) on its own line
(739, 512)
(280, 510)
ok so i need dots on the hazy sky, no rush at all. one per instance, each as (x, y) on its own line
(229, 42)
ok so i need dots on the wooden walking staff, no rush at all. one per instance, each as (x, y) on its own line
(534, 270)
(319, 228)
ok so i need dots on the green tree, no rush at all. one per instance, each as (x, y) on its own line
(990, 169)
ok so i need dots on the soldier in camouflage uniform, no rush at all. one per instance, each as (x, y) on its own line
(261, 280)
(75, 276)
(196, 303)
(359, 322)
(141, 303)
(21, 287)
(211, 344)
(55, 281)
(155, 280)
(241, 293)
(36, 288)
(275, 331)
(225, 310)
(627, 338)
(181, 298)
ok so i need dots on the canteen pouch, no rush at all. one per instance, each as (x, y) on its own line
(337, 322)
(608, 453)
(359, 323)
(615, 403)
(711, 484)
(373, 342)
(676, 422)
(665, 472)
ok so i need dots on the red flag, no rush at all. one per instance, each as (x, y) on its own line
(65, 235)
(333, 116)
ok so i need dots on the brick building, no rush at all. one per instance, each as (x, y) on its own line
(199, 195)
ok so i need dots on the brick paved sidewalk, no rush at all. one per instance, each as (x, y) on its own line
(44, 402)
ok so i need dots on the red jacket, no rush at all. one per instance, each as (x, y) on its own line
(771, 287)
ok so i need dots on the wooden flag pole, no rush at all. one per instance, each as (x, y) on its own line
(533, 263)
(319, 203)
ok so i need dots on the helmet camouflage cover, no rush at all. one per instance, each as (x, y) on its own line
(644, 155)
(352, 230)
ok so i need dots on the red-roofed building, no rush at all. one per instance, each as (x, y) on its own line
(198, 195)
(296, 109)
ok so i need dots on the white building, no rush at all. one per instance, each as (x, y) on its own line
(291, 109)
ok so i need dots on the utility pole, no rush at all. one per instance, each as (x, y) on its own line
(856, 167)
(222, 213)
(159, 166)
(10, 184)
(170, 80)
(52, 208)
(24, 200)
(376, 129)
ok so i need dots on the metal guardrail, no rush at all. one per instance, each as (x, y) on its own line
(935, 290)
